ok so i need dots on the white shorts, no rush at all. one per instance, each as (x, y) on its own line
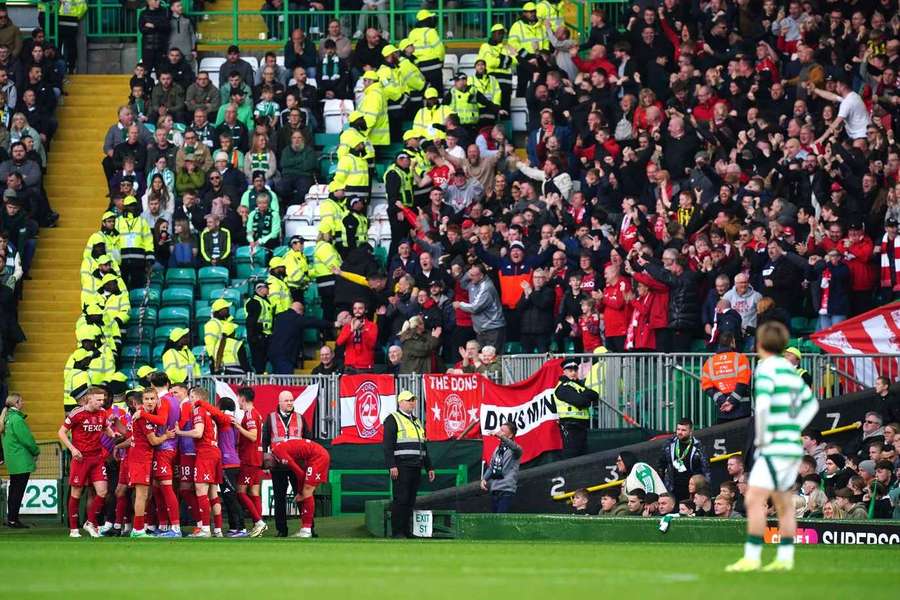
(777, 474)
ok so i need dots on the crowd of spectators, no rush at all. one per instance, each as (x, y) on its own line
(31, 81)
(856, 480)
(703, 159)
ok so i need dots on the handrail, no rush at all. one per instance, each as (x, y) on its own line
(335, 479)
(714, 459)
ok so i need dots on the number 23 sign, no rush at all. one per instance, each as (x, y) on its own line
(41, 497)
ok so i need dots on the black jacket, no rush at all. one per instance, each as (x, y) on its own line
(157, 36)
(287, 333)
(684, 301)
(536, 311)
(695, 463)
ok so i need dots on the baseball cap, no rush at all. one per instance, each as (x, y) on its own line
(104, 259)
(108, 278)
(413, 133)
(794, 351)
(388, 50)
(570, 363)
(144, 371)
(788, 230)
(517, 244)
(276, 262)
(297, 238)
(460, 75)
(178, 333)
(402, 155)
(260, 284)
(220, 304)
(108, 215)
(529, 6)
(370, 76)
(129, 200)
(405, 396)
(498, 27)
(890, 222)
(431, 93)
(424, 14)
(404, 43)
(836, 187)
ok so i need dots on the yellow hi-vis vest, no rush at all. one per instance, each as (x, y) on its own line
(565, 410)
(180, 364)
(410, 436)
(406, 184)
(487, 86)
(213, 332)
(374, 109)
(331, 219)
(352, 176)
(297, 268)
(231, 362)
(410, 76)
(279, 296)
(362, 228)
(523, 37)
(325, 256)
(463, 103)
(390, 82)
(350, 138)
(73, 8)
(550, 10)
(426, 118)
(265, 312)
(429, 47)
(498, 61)
(136, 239)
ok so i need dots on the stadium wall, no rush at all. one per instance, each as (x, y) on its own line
(537, 486)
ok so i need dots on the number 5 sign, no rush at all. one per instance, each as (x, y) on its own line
(41, 497)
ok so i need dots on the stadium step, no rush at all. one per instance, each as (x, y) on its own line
(51, 302)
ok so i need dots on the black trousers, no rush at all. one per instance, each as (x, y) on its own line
(17, 485)
(574, 434)
(134, 273)
(230, 499)
(280, 480)
(112, 475)
(259, 349)
(405, 488)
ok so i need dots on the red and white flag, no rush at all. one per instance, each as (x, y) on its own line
(530, 405)
(366, 401)
(873, 332)
(266, 399)
(452, 403)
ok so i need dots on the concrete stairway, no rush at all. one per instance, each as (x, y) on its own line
(77, 190)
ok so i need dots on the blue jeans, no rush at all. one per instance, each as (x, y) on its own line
(826, 321)
(501, 502)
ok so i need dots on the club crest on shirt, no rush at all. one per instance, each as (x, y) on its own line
(367, 410)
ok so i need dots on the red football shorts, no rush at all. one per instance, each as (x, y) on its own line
(123, 472)
(317, 470)
(249, 475)
(87, 470)
(139, 473)
(164, 465)
(186, 467)
(208, 469)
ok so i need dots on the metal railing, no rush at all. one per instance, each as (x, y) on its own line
(338, 493)
(111, 19)
(655, 390)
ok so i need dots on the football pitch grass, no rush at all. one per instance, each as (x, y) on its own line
(346, 563)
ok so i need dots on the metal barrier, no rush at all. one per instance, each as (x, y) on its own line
(655, 390)
(111, 19)
(335, 479)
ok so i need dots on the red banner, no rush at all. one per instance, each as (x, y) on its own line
(266, 399)
(452, 404)
(366, 400)
(530, 405)
(873, 332)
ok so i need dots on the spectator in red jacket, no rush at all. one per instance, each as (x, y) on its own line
(858, 249)
(616, 308)
(659, 308)
(596, 60)
(358, 337)
(641, 337)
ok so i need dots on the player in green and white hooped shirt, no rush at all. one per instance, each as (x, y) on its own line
(784, 406)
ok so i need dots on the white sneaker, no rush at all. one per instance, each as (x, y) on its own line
(126, 530)
(91, 529)
(201, 534)
(305, 532)
(258, 529)
(105, 527)
(218, 533)
(73, 533)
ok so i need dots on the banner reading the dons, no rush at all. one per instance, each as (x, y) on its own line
(266, 399)
(452, 404)
(874, 332)
(530, 405)
(366, 401)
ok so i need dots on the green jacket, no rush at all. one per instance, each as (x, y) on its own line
(418, 350)
(301, 162)
(19, 447)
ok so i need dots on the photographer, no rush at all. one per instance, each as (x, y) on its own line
(501, 478)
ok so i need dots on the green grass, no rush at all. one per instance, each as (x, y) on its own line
(346, 563)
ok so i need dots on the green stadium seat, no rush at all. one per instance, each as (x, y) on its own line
(244, 286)
(280, 251)
(161, 334)
(139, 353)
(326, 140)
(381, 255)
(176, 316)
(512, 348)
(232, 295)
(240, 316)
(137, 334)
(202, 311)
(241, 332)
(137, 297)
(199, 353)
(178, 297)
(157, 276)
(158, 350)
(260, 257)
(311, 295)
(211, 278)
(311, 336)
(145, 316)
(176, 277)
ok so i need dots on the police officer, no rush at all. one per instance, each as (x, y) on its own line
(573, 401)
(405, 454)
(726, 380)
(259, 325)
(356, 223)
(462, 100)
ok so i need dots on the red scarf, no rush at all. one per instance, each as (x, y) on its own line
(635, 320)
(627, 234)
(890, 259)
(825, 284)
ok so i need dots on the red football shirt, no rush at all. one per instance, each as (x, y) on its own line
(308, 450)
(141, 428)
(250, 452)
(206, 445)
(87, 430)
